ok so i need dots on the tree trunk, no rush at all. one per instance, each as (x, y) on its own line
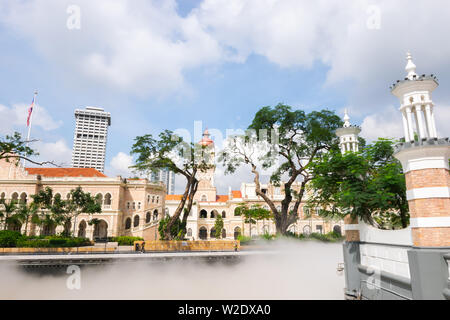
(192, 192)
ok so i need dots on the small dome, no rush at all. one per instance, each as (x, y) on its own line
(206, 140)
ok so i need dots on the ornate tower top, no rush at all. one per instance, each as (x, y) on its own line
(348, 135)
(410, 67)
(416, 105)
(206, 140)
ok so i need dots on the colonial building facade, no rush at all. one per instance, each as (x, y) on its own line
(208, 204)
(130, 207)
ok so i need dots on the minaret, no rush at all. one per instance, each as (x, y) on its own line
(348, 135)
(206, 188)
(426, 168)
(416, 106)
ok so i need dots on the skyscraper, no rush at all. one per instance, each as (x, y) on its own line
(89, 141)
(167, 177)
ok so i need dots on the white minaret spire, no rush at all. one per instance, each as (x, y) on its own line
(416, 105)
(348, 135)
(410, 67)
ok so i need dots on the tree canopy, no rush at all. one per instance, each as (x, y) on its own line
(369, 184)
(169, 151)
(284, 142)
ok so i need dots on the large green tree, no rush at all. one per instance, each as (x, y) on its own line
(285, 142)
(79, 202)
(252, 213)
(369, 184)
(171, 152)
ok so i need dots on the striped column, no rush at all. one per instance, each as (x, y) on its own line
(351, 228)
(428, 193)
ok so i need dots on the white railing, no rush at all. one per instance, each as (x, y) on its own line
(385, 250)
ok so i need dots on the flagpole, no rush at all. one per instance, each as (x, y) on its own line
(31, 122)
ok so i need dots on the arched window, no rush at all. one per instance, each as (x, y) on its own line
(214, 214)
(136, 221)
(337, 230)
(224, 214)
(166, 210)
(292, 229)
(212, 233)
(82, 229)
(15, 197)
(128, 205)
(128, 223)
(203, 214)
(155, 215)
(224, 233)
(107, 199)
(266, 229)
(148, 217)
(236, 212)
(139, 206)
(189, 232)
(99, 198)
(2, 197)
(153, 199)
(67, 228)
(23, 198)
(148, 199)
(204, 198)
(203, 233)
(134, 205)
(157, 199)
(237, 232)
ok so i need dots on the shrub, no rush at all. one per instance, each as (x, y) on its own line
(244, 239)
(126, 241)
(8, 239)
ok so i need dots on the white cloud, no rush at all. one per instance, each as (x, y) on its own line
(16, 116)
(120, 164)
(136, 46)
(57, 152)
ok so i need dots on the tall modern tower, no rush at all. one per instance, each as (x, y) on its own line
(167, 177)
(89, 141)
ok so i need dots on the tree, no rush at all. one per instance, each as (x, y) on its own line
(25, 214)
(171, 152)
(252, 213)
(7, 211)
(218, 226)
(50, 210)
(369, 185)
(16, 148)
(175, 229)
(288, 143)
(79, 202)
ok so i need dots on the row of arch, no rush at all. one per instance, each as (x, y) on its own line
(23, 198)
(213, 214)
(137, 219)
(203, 233)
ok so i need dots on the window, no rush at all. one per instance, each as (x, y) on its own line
(134, 205)
(139, 205)
(203, 214)
(224, 233)
(136, 221)
(148, 217)
(128, 205)
(204, 198)
(203, 233)
(237, 232)
(319, 228)
(224, 214)
(153, 199)
(212, 233)
(108, 199)
(189, 232)
(128, 223)
(155, 215)
(157, 199)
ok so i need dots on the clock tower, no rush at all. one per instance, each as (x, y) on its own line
(206, 191)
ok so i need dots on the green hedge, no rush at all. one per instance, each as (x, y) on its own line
(126, 241)
(8, 239)
(12, 239)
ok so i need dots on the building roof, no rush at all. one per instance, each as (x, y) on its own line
(236, 194)
(66, 172)
(219, 198)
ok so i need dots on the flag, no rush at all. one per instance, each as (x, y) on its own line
(30, 111)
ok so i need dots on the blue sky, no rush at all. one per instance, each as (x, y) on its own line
(164, 64)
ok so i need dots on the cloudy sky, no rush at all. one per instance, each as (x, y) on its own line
(164, 64)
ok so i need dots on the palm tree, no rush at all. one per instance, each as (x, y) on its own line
(25, 212)
(6, 211)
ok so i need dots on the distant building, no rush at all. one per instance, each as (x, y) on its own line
(89, 141)
(167, 177)
(130, 207)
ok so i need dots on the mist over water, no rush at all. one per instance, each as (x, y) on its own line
(297, 270)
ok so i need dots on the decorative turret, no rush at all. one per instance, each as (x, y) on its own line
(348, 135)
(424, 162)
(416, 106)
